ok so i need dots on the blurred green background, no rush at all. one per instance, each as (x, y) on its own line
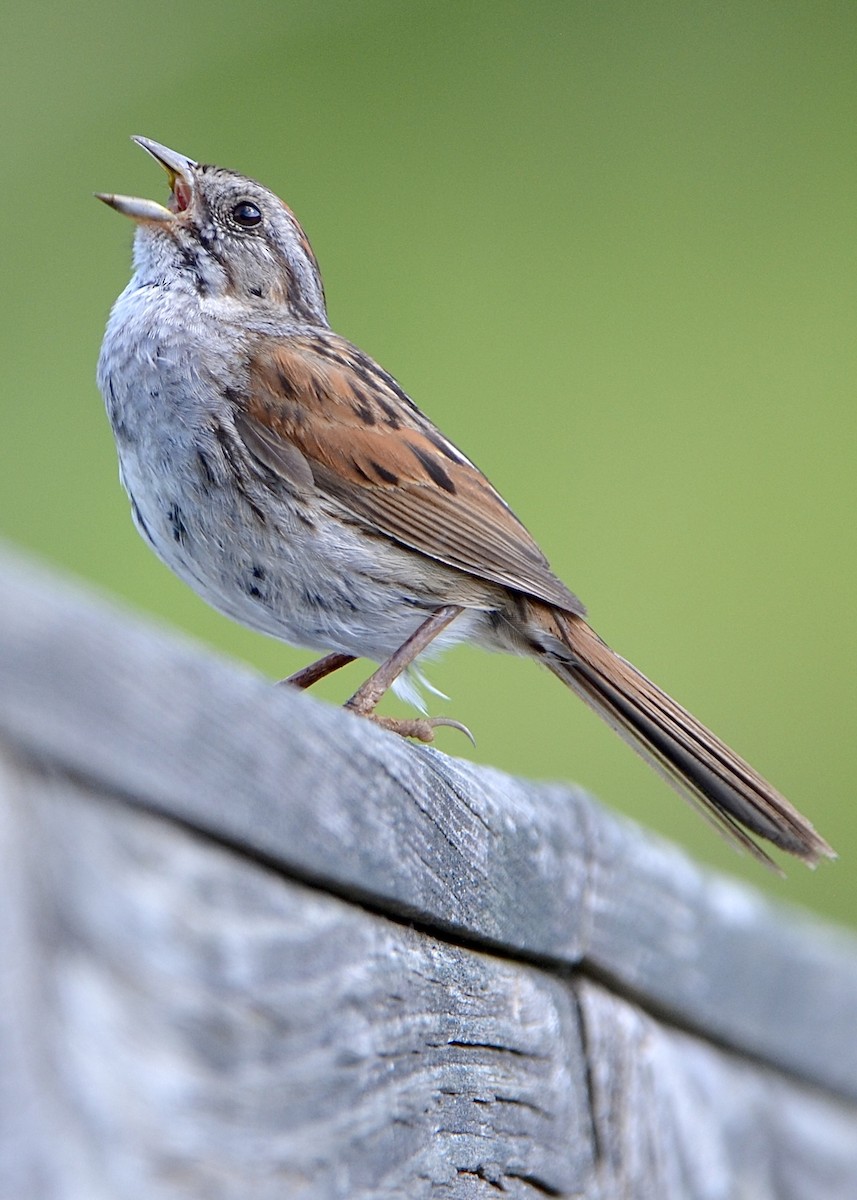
(610, 248)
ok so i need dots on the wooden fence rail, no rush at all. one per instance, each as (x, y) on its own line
(253, 948)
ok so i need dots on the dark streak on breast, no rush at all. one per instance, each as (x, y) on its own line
(141, 524)
(177, 525)
(322, 603)
(120, 427)
(205, 468)
(190, 260)
(251, 586)
(315, 600)
(231, 457)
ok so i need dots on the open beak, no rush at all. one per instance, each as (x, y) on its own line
(179, 170)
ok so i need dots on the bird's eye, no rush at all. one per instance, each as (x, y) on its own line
(246, 214)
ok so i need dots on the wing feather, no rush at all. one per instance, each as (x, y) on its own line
(368, 447)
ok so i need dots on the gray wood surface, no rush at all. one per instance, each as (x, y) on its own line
(252, 947)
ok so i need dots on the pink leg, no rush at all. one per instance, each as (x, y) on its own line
(318, 670)
(365, 699)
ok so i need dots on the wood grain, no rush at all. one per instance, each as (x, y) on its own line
(253, 947)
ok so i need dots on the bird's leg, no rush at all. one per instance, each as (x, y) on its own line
(307, 676)
(365, 699)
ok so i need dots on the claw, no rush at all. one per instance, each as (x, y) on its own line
(448, 721)
(420, 728)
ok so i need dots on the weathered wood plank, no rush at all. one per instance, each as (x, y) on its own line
(211, 1029)
(676, 1117)
(541, 872)
(188, 1023)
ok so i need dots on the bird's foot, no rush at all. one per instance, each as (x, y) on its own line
(420, 728)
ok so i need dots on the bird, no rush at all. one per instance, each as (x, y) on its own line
(289, 479)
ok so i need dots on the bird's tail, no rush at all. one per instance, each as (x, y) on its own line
(701, 767)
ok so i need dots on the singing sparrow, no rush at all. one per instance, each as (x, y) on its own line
(284, 475)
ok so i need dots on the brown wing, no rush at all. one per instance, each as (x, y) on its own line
(370, 448)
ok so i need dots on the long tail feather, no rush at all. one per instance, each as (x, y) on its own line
(701, 767)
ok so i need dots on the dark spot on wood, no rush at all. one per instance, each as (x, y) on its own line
(258, 572)
(253, 591)
(383, 473)
(255, 291)
(536, 1182)
(433, 468)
